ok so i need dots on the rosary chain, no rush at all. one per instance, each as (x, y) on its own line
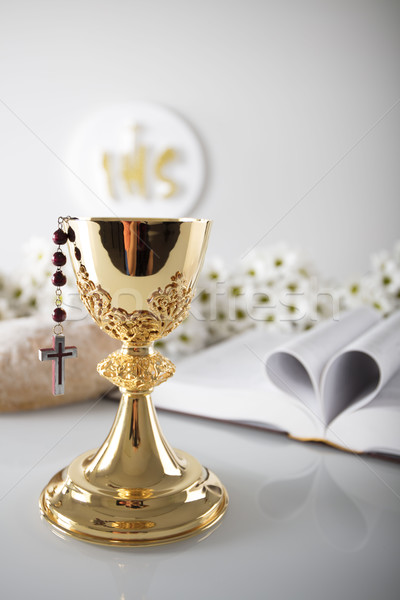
(58, 329)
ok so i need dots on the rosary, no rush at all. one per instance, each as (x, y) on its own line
(59, 351)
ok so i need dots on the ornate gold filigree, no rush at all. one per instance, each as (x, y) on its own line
(167, 308)
(136, 373)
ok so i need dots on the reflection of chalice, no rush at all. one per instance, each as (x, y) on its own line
(136, 278)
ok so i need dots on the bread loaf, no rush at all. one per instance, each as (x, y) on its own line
(26, 383)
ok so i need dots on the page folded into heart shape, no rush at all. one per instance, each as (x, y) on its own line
(339, 365)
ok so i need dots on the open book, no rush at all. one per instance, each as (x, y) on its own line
(338, 383)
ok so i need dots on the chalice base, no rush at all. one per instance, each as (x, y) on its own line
(196, 503)
(135, 490)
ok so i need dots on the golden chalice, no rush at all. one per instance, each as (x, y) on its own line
(136, 279)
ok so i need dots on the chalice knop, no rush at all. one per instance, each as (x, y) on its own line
(136, 278)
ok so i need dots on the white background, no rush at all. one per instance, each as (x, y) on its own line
(291, 100)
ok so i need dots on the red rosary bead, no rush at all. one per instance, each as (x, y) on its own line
(59, 315)
(59, 279)
(78, 255)
(59, 259)
(60, 237)
(71, 234)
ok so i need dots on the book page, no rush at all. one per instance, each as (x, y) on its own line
(236, 362)
(298, 365)
(374, 427)
(359, 372)
(228, 382)
(272, 409)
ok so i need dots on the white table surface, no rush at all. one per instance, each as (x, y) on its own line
(304, 521)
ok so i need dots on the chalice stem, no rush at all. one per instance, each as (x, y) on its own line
(135, 457)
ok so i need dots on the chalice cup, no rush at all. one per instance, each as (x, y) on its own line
(136, 278)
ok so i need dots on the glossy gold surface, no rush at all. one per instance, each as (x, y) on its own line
(136, 278)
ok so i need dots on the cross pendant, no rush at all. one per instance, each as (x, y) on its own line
(58, 353)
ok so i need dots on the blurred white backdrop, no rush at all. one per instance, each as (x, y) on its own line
(297, 105)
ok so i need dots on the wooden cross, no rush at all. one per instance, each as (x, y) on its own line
(58, 353)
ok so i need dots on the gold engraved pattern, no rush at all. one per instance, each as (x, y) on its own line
(136, 373)
(168, 308)
(124, 524)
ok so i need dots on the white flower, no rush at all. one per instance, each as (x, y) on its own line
(262, 305)
(36, 261)
(6, 311)
(379, 260)
(252, 268)
(190, 336)
(396, 252)
(280, 260)
(378, 289)
(213, 271)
